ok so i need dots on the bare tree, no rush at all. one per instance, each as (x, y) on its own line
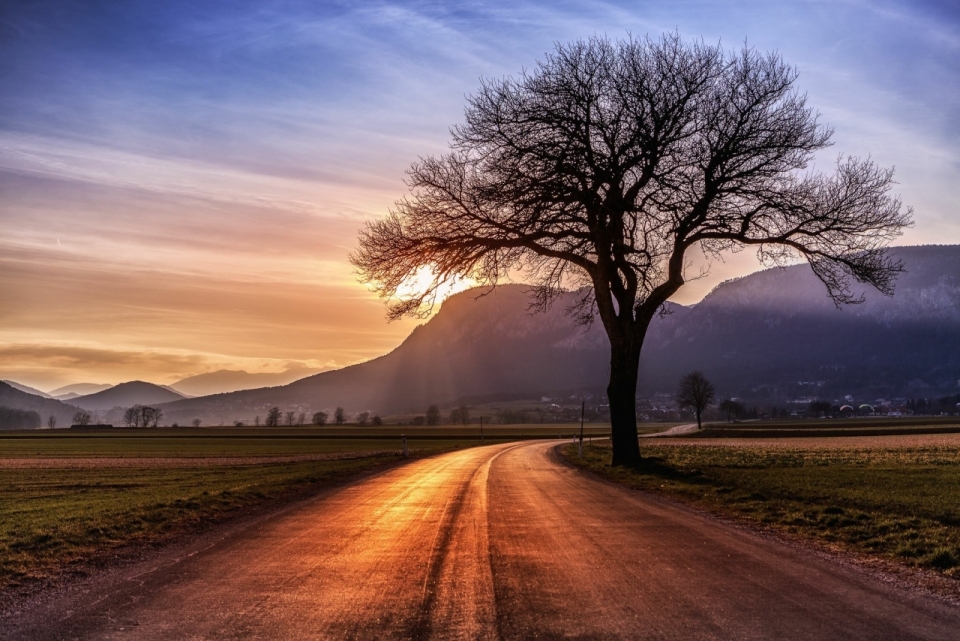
(52, 421)
(273, 417)
(131, 416)
(731, 407)
(196, 422)
(376, 421)
(256, 421)
(460, 415)
(362, 418)
(433, 415)
(339, 417)
(695, 392)
(607, 166)
(290, 416)
(302, 419)
(320, 418)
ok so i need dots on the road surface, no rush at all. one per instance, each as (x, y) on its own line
(676, 430)
(498, 542)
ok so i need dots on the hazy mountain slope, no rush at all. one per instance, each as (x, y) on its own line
(759, 335)
(223, 381)
(126, 395)
(777, 327)
(26, 388)
(79, 389)
(473, 346)
(12, 397)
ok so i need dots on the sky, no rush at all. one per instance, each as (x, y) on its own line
(181, 182)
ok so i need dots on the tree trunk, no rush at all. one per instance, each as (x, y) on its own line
(622, 393)
(698, 420)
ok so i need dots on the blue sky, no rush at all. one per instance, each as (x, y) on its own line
(181, 181)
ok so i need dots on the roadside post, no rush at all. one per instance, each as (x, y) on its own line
(583, 409)
(404, 437)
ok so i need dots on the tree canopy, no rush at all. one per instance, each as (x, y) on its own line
(604, 165)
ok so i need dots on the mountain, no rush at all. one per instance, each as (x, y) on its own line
(225, 380)
(16, 399)
(26, 388)
(127, 395)
(78, 389)
(771, 335)
(777, 333)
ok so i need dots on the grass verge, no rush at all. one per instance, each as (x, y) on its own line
(901, 504)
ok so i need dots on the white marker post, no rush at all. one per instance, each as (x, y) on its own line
(404, 437)
(583, 408)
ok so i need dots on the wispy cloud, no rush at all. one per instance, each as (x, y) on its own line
(206, 167)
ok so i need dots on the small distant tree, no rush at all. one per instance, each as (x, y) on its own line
(320, 418)
(732, 408)
(238, 423)
(362, 418)
(273, 417)
(302, 419)
(433, 415)
(196, 422)
(339, 417)
(156, 415)
(695, 392)
(820, 407)
(256, 421)
(376, 421)
(464, 414)
(131, 416)
(290, 416)
(52, 421)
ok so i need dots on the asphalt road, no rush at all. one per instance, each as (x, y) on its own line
(497, 542)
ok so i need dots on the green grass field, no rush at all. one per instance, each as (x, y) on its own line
(55, 516)
(900, 503)
(284, 441)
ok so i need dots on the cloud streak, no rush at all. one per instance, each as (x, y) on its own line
(184, 176)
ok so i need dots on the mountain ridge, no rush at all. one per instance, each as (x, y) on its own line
(126, 395)
(760, 335)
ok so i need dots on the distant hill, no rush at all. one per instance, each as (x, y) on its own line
(777, 333)
(78, 389)
(27, 389)
(45, 407)
(127, 395)
(772, 334)
(225, 380)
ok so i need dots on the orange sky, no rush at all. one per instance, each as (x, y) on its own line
(180, 187)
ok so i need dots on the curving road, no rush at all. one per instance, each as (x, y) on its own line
(496, 542)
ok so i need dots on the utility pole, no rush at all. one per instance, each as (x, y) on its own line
(583, 409)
